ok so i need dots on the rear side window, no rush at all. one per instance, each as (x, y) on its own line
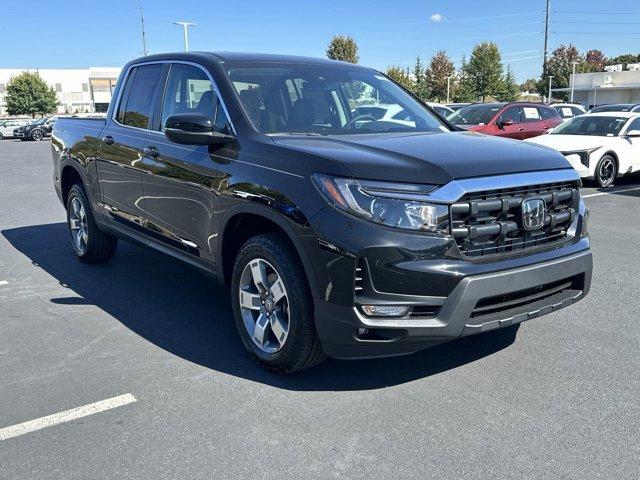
(530, 114)
(137, 104)
(547, 113)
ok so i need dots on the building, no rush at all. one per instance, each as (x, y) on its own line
(78, 90)
(591, 89)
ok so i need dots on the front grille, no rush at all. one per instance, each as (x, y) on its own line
(490, 223)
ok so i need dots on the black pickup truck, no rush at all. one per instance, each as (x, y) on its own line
(337, 233)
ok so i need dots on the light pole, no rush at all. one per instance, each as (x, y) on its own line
(573, 79)
(449, 86)
(550, 77)
(185, 27)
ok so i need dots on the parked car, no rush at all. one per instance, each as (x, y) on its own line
(510, 120)
(37, 130)
(440, 109)
(616, 107)
(457, 106)
(569, 110)
(7, 127)
(336, 236)
(599, 146)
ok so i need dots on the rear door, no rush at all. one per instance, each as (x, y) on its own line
(550, 118)
(531, 122)
(120, 148)
(179, 180)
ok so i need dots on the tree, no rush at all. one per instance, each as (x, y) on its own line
(510, 89)
(596, 60)
(440, 68)
(343, 48)
(401, 77)
(529, 85)
(28, 94)
(560, 65)
(624, 59)
(421, 88)
(464, 90)
(484, 70)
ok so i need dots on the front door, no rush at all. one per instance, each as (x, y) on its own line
(120, 148)
(509, 123)
(179, 180)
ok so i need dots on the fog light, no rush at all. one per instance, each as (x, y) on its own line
(385, 310)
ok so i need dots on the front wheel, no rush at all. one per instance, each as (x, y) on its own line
(606, 171)
(37, 135)
(1, 136)
(89, 244)
(273, 306)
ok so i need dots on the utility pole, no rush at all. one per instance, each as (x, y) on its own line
(573, 78)
(145, 52)
(550, 97)
(449, 86)
(546, 38)
(185, 27)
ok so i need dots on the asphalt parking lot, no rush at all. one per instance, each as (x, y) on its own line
(154, 339)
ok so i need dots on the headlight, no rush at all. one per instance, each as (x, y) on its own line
(392, 204)
(582, 154)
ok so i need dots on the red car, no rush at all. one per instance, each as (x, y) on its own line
(511, 120)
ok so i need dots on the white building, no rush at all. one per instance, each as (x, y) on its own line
(78, 90)
(591, 89)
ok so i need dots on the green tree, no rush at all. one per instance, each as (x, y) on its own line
(28, 94)
(401, 77)
(529, 85)
(484, 70)
(624, 59)
(343, 48)
(560, 66)
(440, 68)
(510, 88)
(596, 60)
(464, 90)
(421, 88)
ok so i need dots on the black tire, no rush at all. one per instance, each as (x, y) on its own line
(1, 136)
(37, 135)
(302, 348)
(99, 246)
(606, 171)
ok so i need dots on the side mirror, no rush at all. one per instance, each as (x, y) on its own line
(504, 123)
(633, 133)
(194, 129)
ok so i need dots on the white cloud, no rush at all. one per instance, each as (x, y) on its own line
(437, 17)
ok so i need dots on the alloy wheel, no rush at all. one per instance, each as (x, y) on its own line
(37, 135)
(264, 305)
(78, 225)
(607, 171)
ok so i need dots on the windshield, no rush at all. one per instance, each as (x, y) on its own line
(474, 114)
(39, 122)
(326, 99)
(598, 125)
(612, 108)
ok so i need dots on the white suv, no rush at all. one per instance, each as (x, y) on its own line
(7, 126)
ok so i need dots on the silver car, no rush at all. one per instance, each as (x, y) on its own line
(7, 126)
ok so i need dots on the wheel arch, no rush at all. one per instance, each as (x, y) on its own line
(69, 176)
(240, 223)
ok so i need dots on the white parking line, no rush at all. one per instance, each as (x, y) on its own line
(66, 416)
(609, 193)
(4, 282)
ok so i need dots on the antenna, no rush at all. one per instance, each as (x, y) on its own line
(145, 52)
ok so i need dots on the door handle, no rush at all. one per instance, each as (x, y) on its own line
(521, 129)
(108, 139)
(151, 151)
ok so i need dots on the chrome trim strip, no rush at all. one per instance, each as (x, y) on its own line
(163, 62)
(454, 190)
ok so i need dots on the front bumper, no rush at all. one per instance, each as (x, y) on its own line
(478, 303)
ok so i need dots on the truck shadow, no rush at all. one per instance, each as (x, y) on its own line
(186, 313)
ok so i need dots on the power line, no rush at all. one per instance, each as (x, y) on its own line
(578, 12)
(457, 20)
(594, 23)
(599, 33)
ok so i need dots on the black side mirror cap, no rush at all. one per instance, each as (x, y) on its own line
(194, 129)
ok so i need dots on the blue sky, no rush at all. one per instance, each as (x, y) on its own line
(69, 33)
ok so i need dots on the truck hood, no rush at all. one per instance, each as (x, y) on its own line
(430, 158)
(572, 143)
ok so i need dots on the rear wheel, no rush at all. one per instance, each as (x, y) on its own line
(273, 306)
(606, 171)
(90, 245)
